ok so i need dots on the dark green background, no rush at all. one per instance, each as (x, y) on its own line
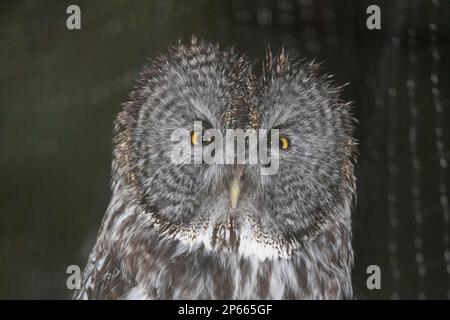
(60, 91)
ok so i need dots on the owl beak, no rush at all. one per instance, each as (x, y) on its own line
(235, 191)
(236, 185)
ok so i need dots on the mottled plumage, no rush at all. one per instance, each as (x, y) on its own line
(170, 232)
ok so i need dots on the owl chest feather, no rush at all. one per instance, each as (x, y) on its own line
(201, 274)
(141, 260)
(172, 268)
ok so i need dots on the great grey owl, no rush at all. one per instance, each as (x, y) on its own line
(171, 230)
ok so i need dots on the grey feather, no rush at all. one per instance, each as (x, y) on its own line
(169, 231)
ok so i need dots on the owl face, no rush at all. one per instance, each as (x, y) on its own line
(217, 87)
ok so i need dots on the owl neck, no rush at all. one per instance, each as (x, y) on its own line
(227, 261)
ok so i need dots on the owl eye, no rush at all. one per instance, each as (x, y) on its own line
(196, 136)
(284, 143)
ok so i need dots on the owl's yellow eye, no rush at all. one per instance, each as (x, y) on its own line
(195, 138)
(199, 137)
(284, 143)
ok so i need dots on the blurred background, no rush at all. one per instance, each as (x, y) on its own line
(60, 91)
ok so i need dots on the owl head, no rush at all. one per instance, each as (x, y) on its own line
(201, 83)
